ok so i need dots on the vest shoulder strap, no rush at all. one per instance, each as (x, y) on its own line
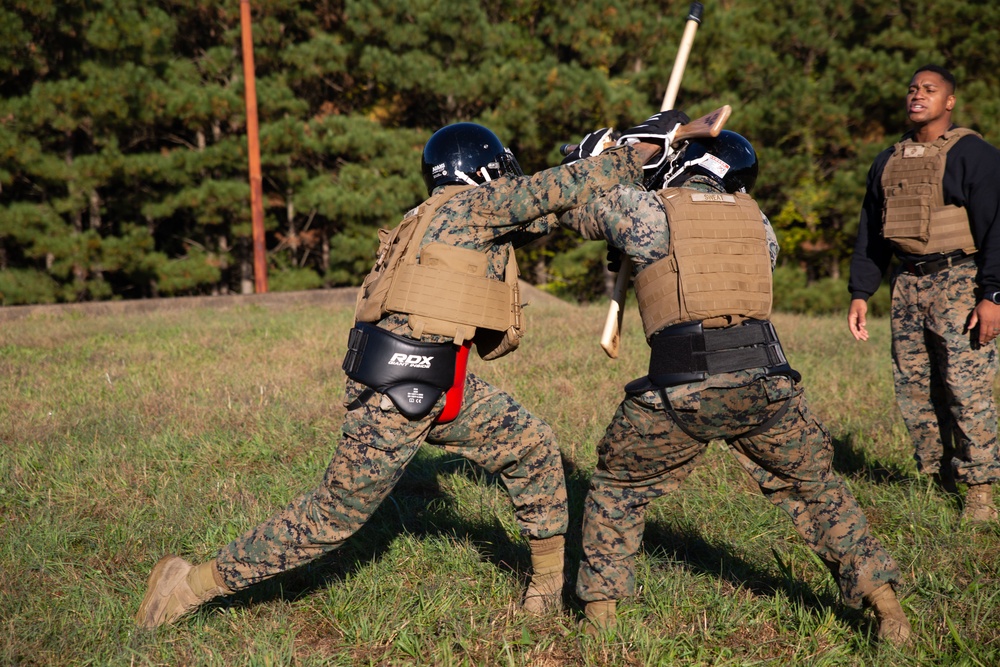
(398, 246)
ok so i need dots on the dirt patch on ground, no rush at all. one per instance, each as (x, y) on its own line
(341, 296)
(336, 297)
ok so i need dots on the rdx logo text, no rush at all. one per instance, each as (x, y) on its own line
(411, 360)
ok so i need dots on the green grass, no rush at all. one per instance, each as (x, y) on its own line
(126, 436)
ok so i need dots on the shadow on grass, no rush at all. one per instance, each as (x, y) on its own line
(852, 461)
(686, 545)
(417, 506)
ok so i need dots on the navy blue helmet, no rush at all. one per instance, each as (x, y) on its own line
(465, 153)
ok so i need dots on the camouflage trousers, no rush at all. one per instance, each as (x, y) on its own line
(376, 444)
(944, 384)
(645, 454)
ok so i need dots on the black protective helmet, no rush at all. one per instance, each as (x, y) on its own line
(729, 159)
(465, 153)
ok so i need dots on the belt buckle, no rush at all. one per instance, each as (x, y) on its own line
(923, 268)
(771, 332)
(929, 266)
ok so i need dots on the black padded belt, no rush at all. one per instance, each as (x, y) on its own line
(685, 353)
(413, 374)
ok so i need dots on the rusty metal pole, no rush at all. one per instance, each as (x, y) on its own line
(253, 149)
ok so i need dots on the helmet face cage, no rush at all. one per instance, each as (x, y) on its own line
(465, 153)
(508, 165)
(670, 168)
(729, 159)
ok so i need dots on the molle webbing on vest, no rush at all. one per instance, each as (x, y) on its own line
(718, 270)
(395, 245)
(443, 289)
(449, 287)
(915, 216)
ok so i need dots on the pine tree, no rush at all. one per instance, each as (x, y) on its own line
(123, 147)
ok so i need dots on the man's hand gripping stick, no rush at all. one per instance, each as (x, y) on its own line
(709, 125)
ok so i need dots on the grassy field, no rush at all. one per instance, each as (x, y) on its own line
(129, 435)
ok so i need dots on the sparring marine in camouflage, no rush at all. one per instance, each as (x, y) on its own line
(377, 443)
(650, 447)
(492, 429)
(378, 440)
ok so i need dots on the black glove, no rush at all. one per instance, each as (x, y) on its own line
(656, 127)
(614, 260)
(655, 130)
(592, 144)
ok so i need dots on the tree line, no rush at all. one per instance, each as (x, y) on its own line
(123, 147)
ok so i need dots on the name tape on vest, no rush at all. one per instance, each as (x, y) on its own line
(713, 197)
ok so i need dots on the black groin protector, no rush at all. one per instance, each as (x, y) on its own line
(413, 374)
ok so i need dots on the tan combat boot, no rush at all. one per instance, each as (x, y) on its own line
(979, 506)
(893, 627)
(544, 592)
(601, 616)
(175, 588)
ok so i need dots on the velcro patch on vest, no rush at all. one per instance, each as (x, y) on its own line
(913, 151)
(713, 197)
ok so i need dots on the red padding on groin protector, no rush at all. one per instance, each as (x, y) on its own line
(453, 397)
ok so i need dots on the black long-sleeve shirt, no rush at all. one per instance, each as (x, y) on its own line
(971, 180)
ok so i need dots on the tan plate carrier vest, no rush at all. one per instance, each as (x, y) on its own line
(718, 269)
(443, 289)
(915, 216)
